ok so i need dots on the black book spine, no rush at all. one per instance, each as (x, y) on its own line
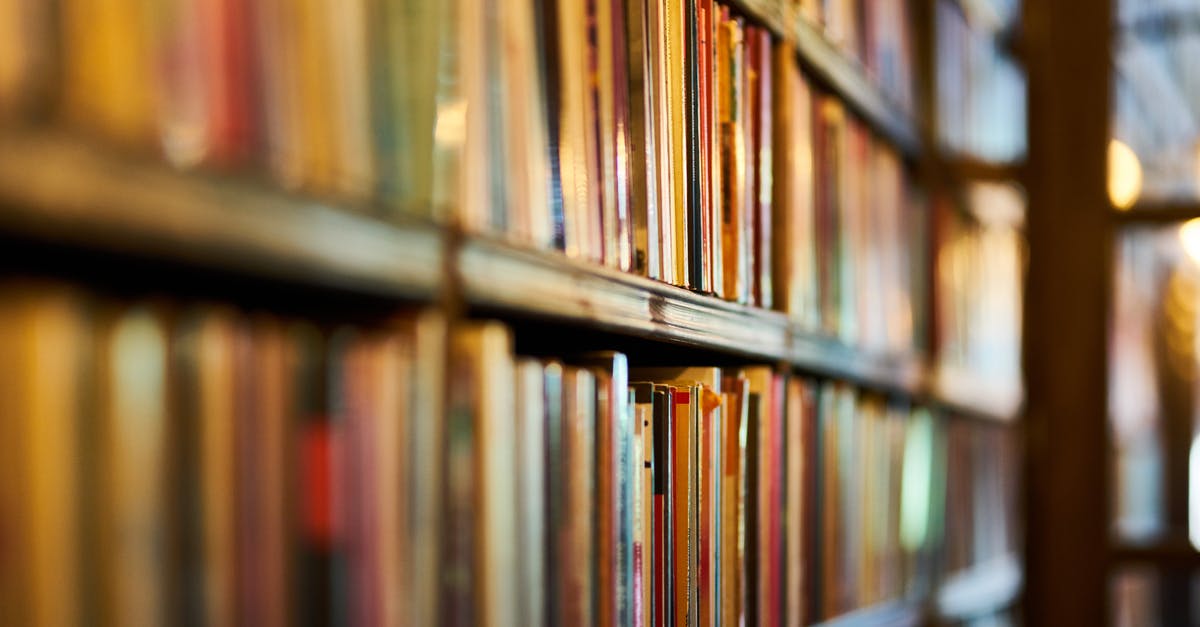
(691, 96)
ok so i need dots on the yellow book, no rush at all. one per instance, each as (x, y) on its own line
(313, 55)
(350, 105)
(426, 483)
(676, 84)
(108, 76)
(42, 343)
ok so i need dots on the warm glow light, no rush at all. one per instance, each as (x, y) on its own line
(1189, 236)
(1124, 175)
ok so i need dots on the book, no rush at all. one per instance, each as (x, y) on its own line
(129, 505)
(44, 328)
(204, 361)
(484, 352)
(531, 554)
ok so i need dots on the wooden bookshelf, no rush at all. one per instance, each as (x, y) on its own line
(116, 204)
(139, 208)
(845, 76)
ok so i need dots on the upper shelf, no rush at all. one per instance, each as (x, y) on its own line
(840, 73)
(57, 189)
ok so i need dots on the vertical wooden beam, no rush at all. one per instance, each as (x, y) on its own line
(1066, 305)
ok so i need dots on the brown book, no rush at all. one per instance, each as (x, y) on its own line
(794, 272)
(731, 554)
(577, 566)
(485, 349)
(262, 352)
(131, 509)
(731, 112)
(795, 455)
(206, 380)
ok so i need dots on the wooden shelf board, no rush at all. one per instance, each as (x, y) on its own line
(889, 614)
(962, 169)
(845, 76)
(1173, 552)
(1158, 212)
(498, 275)
(502, 276)
(974, 397)
(828, 357)
(983, 589)
(59, 190)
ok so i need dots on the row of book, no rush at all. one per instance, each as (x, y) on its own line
(177, 463)
(877, 34)
(980, 87)
(874, 507)
(980, 270)
(981, 491)
(200, 465)
(671, 138)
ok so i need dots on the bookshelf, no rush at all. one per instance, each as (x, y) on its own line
(132, 206)
(213, 225)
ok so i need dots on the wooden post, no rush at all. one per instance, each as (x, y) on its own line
(1066, 305)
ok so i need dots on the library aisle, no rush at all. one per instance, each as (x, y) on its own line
(599, 312)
